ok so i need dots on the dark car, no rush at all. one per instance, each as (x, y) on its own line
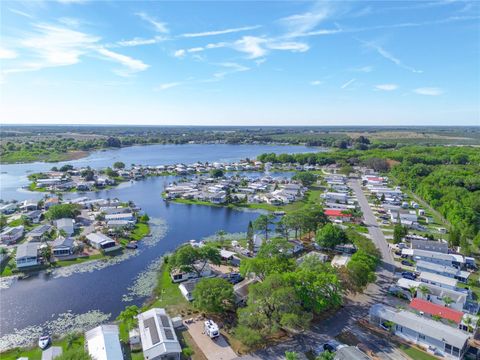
(409, 275)
(406, 263)
(233, 278)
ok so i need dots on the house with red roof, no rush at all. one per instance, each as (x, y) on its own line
(337, 214)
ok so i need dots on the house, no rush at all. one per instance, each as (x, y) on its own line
(121, 216)
(120, 224)
(447, 271)
(438, 280)
(10, 235)
(63, 246)
(442, 339)
(29, 205)
(187, 287)
(159, 341)
(34, 216)
(426, 307)
(230, 257)
(27, 255)
(241, 290)
(407, 218)
(450, 260)
(103, 343)
(65, 224)
(315, 255)
(437, 295)
(340, 260)
(350, 353)
(8, 208)
(335, 197)
(430, 245)
(38, 233)
(296, 247)
(337, 214)
(101, 242)
(50, 202)
(403, 287)
(179, 276)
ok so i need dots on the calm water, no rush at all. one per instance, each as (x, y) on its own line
(41, 298)
(14, 176)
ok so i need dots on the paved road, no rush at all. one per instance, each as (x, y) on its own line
(355, 307)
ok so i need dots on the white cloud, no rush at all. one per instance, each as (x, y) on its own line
(291, 46)
(252, 46)
(158, 25)
(316, 82)
(299, 24)
(216, 45)
(347, 84)
(363, 69)
(195, 49)
(386, 87)
(7, 53)
(180, 53)
(221, 32)
(389, 56)
(132, 65)
(230, 68)
(21, 13)
(429, 91)
(167, 86)
(140, 41)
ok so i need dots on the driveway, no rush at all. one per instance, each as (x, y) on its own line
(212, 349)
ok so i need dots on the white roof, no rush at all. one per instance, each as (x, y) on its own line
(340, 260)
(103, 343)
(427, 276)
(421, 325)
(407, 283)
(226, 253)
(425, 255)
(157, 334)
(98, 238)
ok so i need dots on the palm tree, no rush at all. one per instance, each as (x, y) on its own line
(413, 291)
(424, 290)
(447, 300)
(468, 321)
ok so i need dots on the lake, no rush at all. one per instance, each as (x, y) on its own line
(56, 302)
(14, 176)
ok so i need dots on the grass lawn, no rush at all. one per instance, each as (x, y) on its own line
(168, 294)
(416, 354)
(79, 260)
(140, 231)
(36, 353)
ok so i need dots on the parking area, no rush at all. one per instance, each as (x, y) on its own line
(212, 349)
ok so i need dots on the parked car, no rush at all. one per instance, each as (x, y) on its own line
(233, 278)
(331, 345)
(409, 275)
(406, 263)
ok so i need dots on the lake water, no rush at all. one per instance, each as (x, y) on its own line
(41, 301)
(14, 176)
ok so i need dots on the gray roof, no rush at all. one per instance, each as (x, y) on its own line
(350, 353)
(63, 242)
(421, 325)
(428, 276)
(27, 250)
(435, 255)
(440, 269)
(39, 230)
(51, 353)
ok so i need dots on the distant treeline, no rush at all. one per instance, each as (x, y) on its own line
(448, 178)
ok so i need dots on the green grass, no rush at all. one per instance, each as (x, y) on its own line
(416, 354)
(168, 294)
(140, 231)
(79, 260)
(8, 266)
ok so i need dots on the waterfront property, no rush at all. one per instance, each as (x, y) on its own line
(63, 246)
(442, 339)
(27, 255)
(65, 224)
(11, 235)
(157, 335)
(101, 242)
(103, 343)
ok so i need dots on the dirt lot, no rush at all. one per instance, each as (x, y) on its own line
(212, 349)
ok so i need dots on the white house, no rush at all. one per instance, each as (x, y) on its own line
(159, 341)
(442, 339)
(63, 246)
(65, 224)
(439, 258)
(179, 276)
(438, 280)
(103, 343)
(38, 233)
(8, 208)
(101, 241)
(448, 271)
(10, 235)
(187, 287)
(121, 216)
(430, 245)
(27, 255)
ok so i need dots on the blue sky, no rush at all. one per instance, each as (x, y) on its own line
(240, 63)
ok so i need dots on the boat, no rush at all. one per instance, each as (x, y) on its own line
(44, 341)
(132, 245)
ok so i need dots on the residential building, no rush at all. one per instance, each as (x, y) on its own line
(438, 280)
(8, 208)
(447, 271)
(65, 224)
(179, 276)
(34, 216)
(103, 343)
(450, 260)
(121, 216)
(437, 295)
(241, 290)
(313, 254)
(442, 339)
(340, 260)
(335, 197)
(63, 246)
(337, 214)
(50, 202)
(159, 341)
(11, 235)
(38, 233)
(430, 245)
(101, 241)
(29, 205)
(27, 255)
(187, 287)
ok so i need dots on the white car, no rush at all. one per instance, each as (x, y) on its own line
(43, 342)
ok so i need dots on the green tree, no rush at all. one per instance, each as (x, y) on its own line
(119, 165)
(263, 223)
(46, 253)
(3, 221)
(305, 177)
(214, 295)
(194, 259)
(291, 355)
(250, 234)
(144, 218)
(399, 232)
(216, 173)
(62, 211)
(361, 268)
(326, 355)
(330, 235)
(128, 316)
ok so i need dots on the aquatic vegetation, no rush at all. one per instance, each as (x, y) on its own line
(158, 230)
(145, 282)
(6, 281)
(65, 323)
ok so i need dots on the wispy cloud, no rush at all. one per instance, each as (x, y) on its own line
(347, 84)
(158, 25)
(21, 13)
(429, 91)
(140, 41)
(389, 56)
(316, 82)
(386, 87)
(180, 53)
(7, 53)
(252, 46)
(299, 24)
(363, 69)
(132, 65)
(230, 68)
(220, 32)
(166, 86)
(290, 45)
